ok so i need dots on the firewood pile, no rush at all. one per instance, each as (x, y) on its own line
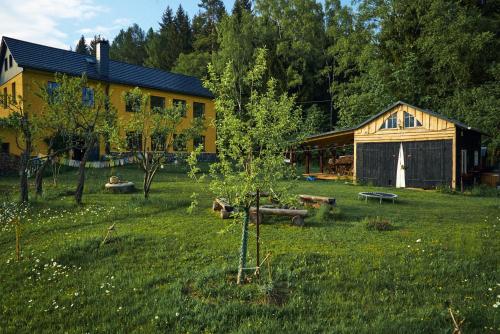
(343, 165)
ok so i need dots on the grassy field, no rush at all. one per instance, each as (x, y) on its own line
(167, 271)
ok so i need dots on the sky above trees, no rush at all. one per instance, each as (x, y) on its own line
(60, 23)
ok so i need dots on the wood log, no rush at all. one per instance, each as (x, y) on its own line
(298, 220)
(222, 205)
(281, 212)
(224, 214)
(317, 199)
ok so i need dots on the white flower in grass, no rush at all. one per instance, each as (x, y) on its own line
(156, 317)
(76, 294)
(419, 240)
(490, 289)
(176, 314)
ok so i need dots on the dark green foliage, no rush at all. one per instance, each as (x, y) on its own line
(129, 46)
(82, 46)
(378, 224)
(484, 190)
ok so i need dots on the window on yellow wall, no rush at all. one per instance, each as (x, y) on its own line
(88, 96)
(157, 102)
(5, 97)
(181, 104)
(52, 90)
(158, 141)
(5, 148)
(198, 110)
(14, 96)
(132, 105)
(134, 141)
(199, 140)
(179, 144)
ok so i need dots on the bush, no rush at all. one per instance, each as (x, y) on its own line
(378, 224)
(324, 214)
(483, 190)
(445, 189)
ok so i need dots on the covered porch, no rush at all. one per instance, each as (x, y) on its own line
(334, 153)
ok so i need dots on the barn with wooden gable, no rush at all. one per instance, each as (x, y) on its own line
(405, 146)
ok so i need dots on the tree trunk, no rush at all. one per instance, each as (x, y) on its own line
(39, 177)
(243, 249)
(23, 177)
(81, 172)
(146, 184)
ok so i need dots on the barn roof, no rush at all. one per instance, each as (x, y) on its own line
(46, 58)
(430, 112)
(347, 131)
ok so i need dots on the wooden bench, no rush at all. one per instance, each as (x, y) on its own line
(316, 201)
(220, 204)
(296, 214)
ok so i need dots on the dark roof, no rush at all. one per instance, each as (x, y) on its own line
(45, 58)
(457, 123)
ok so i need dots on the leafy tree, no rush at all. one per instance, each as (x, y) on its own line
(249, 150)
(90, 117)
(205, 25)
(173, 38)
(24, 122)
(297, 33)
(238, 38)
(129, 46)
(82, 47)
(158, 129)
(194, 63)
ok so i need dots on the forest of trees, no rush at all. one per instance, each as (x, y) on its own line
(342, 62)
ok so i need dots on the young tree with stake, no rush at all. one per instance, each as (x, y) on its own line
(251, 141)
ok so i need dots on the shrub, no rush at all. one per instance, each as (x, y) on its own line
(445, 189)
(483, 190)
(324, 214)
(379, 224)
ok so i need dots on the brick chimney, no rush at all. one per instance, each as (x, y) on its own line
(102, 57)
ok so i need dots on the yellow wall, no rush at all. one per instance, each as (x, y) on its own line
(6, 135)
(26, 85)
(433, 128)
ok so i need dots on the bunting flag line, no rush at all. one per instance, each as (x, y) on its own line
(98, 164)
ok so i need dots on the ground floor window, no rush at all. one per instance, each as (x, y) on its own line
(134, 141)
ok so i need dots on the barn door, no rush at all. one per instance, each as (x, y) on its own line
(376, 163)
(428, 163)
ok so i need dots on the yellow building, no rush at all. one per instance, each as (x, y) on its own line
(25, 66)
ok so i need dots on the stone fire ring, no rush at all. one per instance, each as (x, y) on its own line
(121, 187)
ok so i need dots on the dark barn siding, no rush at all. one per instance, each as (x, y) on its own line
(428, 163)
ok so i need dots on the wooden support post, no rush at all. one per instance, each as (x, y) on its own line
(308, 161)
(321, 169)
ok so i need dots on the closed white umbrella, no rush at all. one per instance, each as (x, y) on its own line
(400, 172)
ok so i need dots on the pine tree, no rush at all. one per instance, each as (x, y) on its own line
(129, 46)
(82, 47)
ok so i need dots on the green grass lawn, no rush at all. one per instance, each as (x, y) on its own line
(166, 271)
